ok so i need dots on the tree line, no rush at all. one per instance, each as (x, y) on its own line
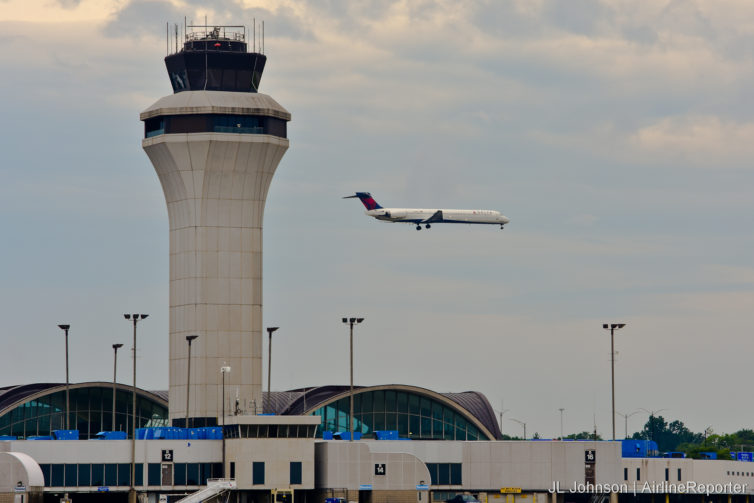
(674, 436)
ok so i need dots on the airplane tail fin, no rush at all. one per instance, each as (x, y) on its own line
(367, 200)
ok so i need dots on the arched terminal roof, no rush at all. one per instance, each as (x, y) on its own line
(468, 408)
(38, 409)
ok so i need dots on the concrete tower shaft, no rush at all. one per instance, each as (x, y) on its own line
(215, 153)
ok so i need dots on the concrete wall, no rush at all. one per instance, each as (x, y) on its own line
(19, 471)
(532, 466)
(215, 186)
(349, 465)
(735, 477)
(118, 451)
(276, 454)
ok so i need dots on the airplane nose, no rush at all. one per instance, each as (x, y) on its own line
(506, 220)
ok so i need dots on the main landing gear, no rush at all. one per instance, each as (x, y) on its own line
(419, 227)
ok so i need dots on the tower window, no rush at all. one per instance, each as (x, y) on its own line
(215, 123)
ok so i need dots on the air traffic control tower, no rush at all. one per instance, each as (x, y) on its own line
(215, 144)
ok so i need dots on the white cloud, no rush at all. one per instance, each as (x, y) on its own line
(61, 11)
(699, 141)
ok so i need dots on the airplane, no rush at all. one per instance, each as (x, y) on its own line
(428, 216)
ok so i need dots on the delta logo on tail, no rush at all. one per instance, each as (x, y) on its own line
(367, 200)
(427, 217)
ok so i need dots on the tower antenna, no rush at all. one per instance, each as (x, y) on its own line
(262, 36)
(176, 37)
(255, 35)
(167, 38)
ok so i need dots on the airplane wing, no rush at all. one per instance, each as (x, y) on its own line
(436, 217)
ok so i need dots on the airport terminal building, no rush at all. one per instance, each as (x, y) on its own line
(411, 445)
(215, 144)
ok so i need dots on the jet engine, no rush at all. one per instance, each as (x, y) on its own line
(395, 214)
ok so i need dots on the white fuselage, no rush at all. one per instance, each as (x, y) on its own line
(420, 215)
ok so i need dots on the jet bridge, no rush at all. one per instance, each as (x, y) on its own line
(214, 488)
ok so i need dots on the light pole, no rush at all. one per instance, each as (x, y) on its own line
(224, 370)
(613, 327)
(351, 322)
(522, 424)
(269, 366)
(67, 384)
(561, 422)
(503, 410)
(189, 339)
(132, 490)
(115, 370)
(625, 417)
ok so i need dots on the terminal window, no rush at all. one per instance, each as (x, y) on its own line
(445, 474)
(412, 415)
(295, 472)
(179, 474)
(70, 475)
(89, 475)
(85, 472)
(257, 473)
(98, 474)
(154, 474)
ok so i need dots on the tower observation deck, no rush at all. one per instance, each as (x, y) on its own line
(215, 144)
(215, 60)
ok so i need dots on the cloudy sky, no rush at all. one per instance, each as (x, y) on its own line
(616, 135)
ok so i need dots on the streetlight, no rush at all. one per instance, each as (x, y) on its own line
(224, 370)
(613, 327)
(522, 424)
(561, 422)
(351, 322)
(115, 369)
(189, 338)
(132, 490)
(269, 366)
(67, 384)
(502, 411)
(626, 416)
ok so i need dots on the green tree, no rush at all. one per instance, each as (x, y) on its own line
(668, 435)
(584, 435)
